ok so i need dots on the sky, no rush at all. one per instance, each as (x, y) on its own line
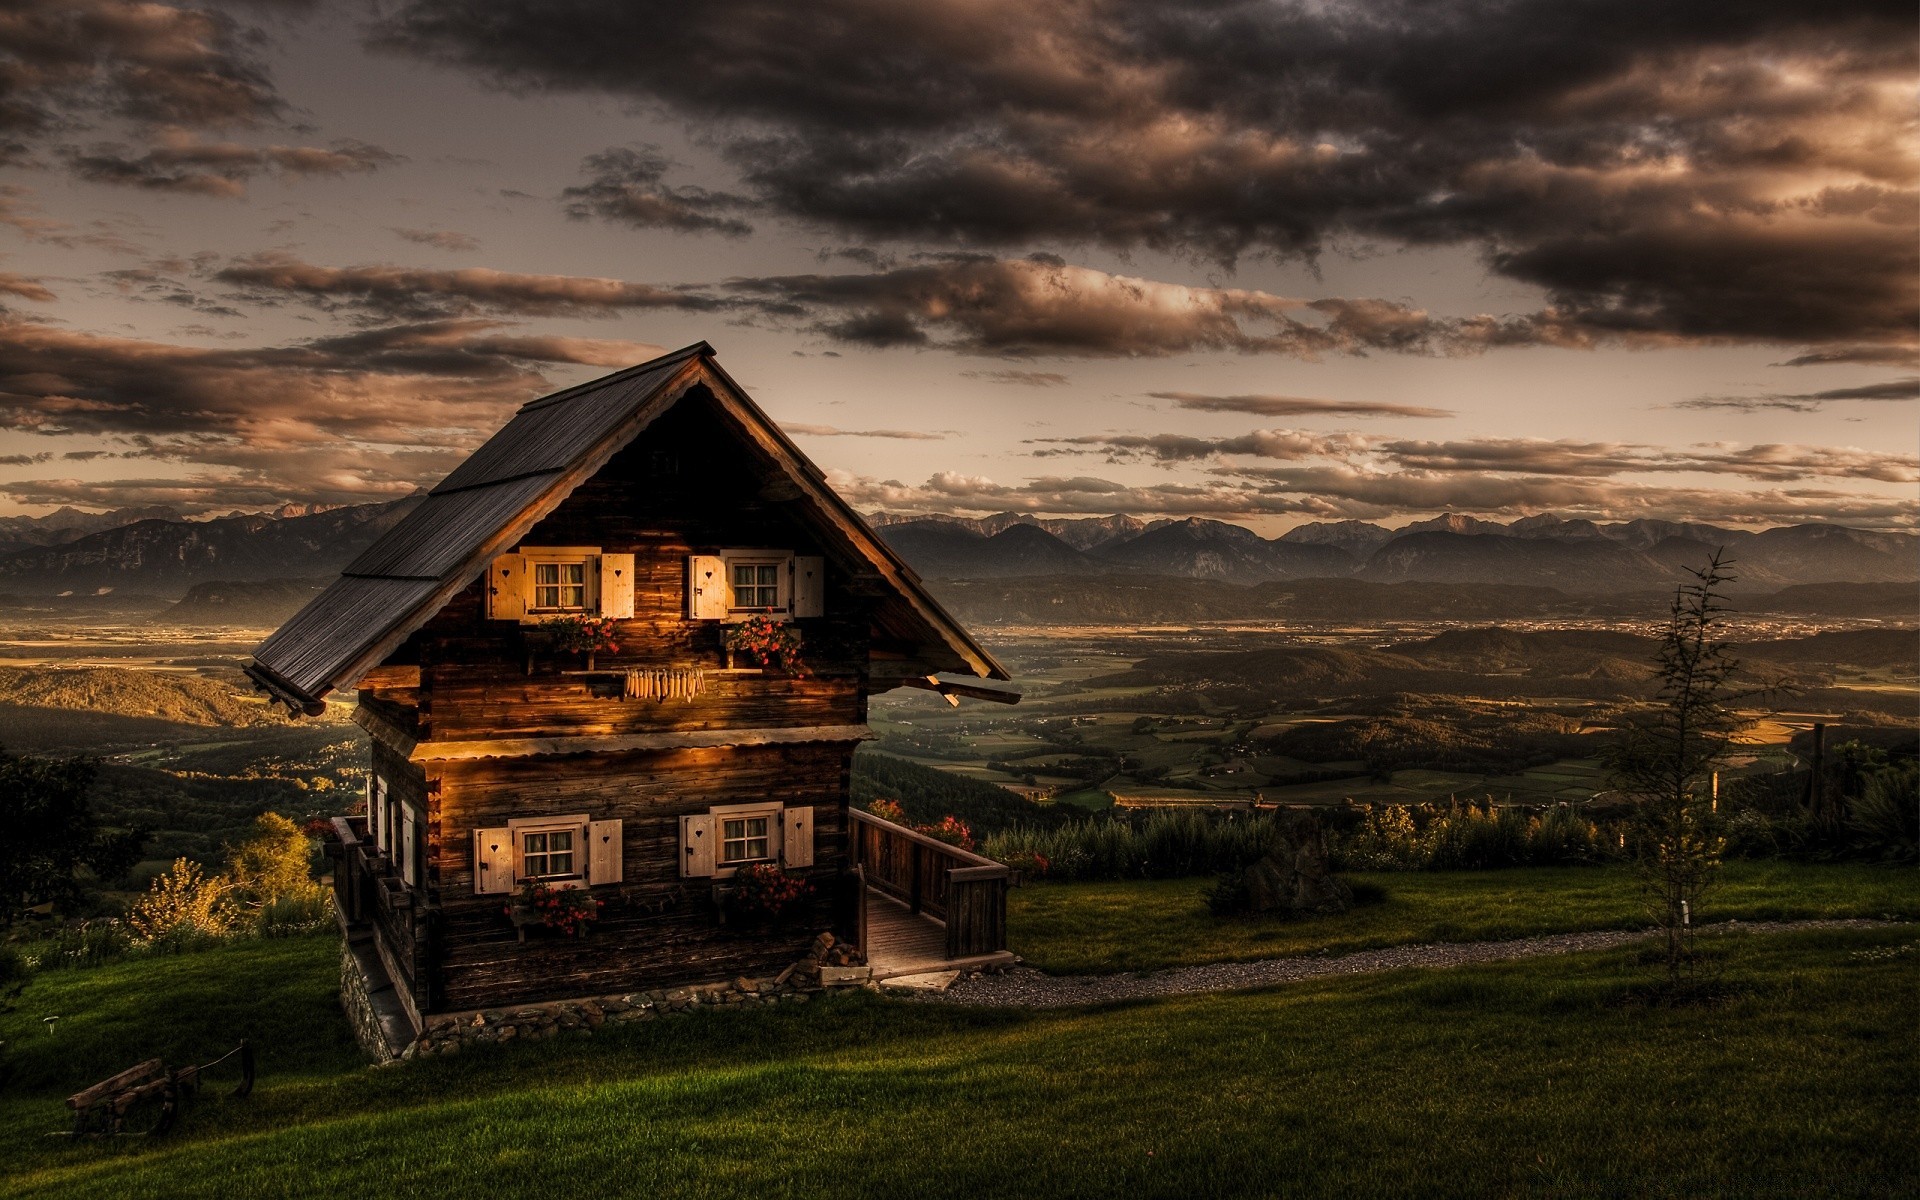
(1269, 263)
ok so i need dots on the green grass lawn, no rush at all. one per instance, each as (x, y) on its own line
(1147, 924)
(1517, 1078)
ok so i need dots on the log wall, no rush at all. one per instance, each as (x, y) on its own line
(685, 486)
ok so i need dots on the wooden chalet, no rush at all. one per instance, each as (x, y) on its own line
(663, 498)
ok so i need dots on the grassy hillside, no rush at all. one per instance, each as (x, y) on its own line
(1148, 924)
(1528, 1077)
(179, 696)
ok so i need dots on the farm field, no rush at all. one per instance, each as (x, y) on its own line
(1150, 924)
(1333, 1087)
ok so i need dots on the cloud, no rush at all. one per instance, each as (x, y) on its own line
(1537, 457)
(1041, 305)
(908, 435)
(1879, 356)
(180, 162)
(73, 63)
(25, 287)
(1019, 378)
(1694, 174)
(346, 418)
(1907, 389)
(1169, 448)
(440, 239)
(627, 185)
(419, 292)
(1342, 492)
(23, 460)
(1296, 406)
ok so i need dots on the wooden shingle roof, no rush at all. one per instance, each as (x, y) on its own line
(489, 502)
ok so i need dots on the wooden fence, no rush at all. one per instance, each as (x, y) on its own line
(958, 887)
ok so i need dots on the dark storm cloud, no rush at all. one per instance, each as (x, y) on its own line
(1893, 389)
(1296, 406)
(76, 62)
(161, 74)
(179, 162)
(355, 416)
(628, 185)
(1681, 169)
(415, 292)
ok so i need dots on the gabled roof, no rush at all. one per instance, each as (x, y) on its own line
(522, 473)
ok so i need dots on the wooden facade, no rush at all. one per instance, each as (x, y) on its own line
(493, 748)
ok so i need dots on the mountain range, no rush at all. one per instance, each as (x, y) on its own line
(1578, 556)
(167, 556)
(155, 551)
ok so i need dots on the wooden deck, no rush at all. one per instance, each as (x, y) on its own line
(902, 942)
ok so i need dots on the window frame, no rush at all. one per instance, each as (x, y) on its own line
(573, 824)
(782, 563)
(587, 558)
(775, 836)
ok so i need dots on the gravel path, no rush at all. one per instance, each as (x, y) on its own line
(1025, 987)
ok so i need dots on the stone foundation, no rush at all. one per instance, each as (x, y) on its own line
(370, 1024)
(446, 1033)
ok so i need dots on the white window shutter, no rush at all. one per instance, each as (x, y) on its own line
(377, 816)
(492, 861)
(706, 587)
(507, 588)
(604, 852)
(697, 846)
(809, 586)
(616, 586)
(797, 823)
(407, 846)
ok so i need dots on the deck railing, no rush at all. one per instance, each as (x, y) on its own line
(963, 889)
(369, 894)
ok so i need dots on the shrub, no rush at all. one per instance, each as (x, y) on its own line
(1886, 817)
(185, 903)
(80, 944)
(304, 912)
(1162, 844)
(1431, 837)
(13, 966)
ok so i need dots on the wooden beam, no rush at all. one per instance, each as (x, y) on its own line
(953, 691)
(430, 751)
(384, 731)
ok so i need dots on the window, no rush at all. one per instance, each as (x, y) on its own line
(757, 585)
(716, 843)
(560, 586)
(744, 840)
(735, 584)
(547, 854)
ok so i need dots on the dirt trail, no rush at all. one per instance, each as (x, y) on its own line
(1028, 988)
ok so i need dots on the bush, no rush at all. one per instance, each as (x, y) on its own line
(1162, 844)
(13, 966)
(1429, 837)
(291, 915)
(1886, 817)
(185, 903)
(81, 944)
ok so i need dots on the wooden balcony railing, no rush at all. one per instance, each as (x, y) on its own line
(369, 893)
(963, 889)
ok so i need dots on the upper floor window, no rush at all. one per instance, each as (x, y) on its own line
(560, 586)
(758, 586)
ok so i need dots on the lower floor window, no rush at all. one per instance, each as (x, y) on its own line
(547, 854)
(744, 839)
